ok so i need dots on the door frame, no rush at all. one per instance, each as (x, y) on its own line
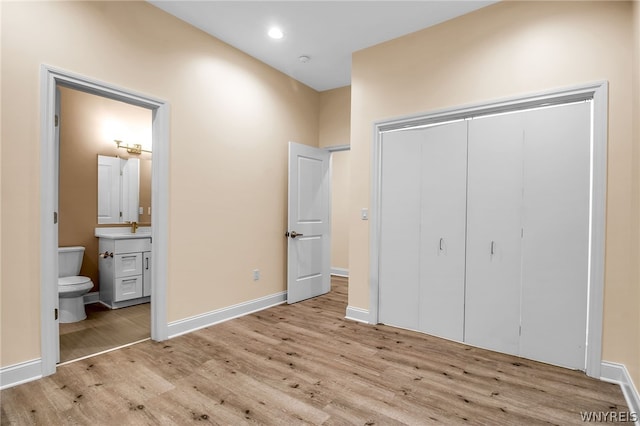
(597, 92)
(50, 78)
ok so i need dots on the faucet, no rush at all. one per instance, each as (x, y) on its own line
(134, 227)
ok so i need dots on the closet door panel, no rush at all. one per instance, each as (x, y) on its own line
(556, 234)
(494, 228)
(399, 272)
(442, 230)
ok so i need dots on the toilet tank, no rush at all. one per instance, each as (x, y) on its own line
(70, 261)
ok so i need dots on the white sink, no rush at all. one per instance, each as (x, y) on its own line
(121, 233)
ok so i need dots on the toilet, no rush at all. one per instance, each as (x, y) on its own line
(71, 286)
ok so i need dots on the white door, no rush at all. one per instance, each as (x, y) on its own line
(308, 235)
(399, 272)
(555, 249)
(422, 232)
(443, 230)
(494, 227)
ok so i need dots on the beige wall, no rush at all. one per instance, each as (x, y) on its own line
(334, 130)
(335, 117)
(505, 50)
(88, 126)
(230, 123)
(340, 175)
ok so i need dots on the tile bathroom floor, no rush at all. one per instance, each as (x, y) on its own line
(104, 329)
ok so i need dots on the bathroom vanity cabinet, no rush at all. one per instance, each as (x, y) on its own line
(125, 270)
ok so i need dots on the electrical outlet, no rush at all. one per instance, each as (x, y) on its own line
(256, 274)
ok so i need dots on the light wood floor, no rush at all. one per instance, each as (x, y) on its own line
(306, 364)
(104, 329)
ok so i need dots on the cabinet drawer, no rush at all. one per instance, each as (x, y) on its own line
(132, 245)
(128, 288)
(128, 264)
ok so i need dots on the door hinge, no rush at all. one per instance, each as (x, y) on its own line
(520, 330)
(56, 120)
(55, 218)
(55, 314)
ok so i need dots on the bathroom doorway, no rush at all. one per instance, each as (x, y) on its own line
(94, 129)
(51, 79)
(340, 178)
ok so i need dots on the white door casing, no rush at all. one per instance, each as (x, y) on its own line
(50, 78)
(308, 235)
(55, 346)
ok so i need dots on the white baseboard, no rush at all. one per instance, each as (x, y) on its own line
(357, 314)
(93, 297)
(617, 373)
(187, 325)
(341, 272)
(23, 372)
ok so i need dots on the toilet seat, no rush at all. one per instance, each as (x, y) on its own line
(73, 286)
(77, 280)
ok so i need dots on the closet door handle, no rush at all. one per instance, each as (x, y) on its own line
(441, 242)
(493, 246)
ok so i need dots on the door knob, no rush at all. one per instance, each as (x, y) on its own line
(295, 234)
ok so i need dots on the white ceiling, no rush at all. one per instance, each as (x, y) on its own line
(328, 32)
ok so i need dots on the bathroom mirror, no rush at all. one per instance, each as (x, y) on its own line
(124, 190)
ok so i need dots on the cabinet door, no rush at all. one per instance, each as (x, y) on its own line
(108, 189)
(555, 250)
(442, 229)
(494, 226)
(146, 274)
(399, 274)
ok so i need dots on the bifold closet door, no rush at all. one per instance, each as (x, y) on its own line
(494, 226)
(528, 233)
(423, 214)
(555, 246)
(399, 273)
(442, 230)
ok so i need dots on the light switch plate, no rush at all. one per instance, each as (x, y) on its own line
(364, 214)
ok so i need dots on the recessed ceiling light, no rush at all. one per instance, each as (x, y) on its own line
(275, 33)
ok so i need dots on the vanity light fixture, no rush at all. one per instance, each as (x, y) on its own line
(275, 33)
(136, 148)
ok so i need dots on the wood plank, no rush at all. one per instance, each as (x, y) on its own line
(306, 364)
